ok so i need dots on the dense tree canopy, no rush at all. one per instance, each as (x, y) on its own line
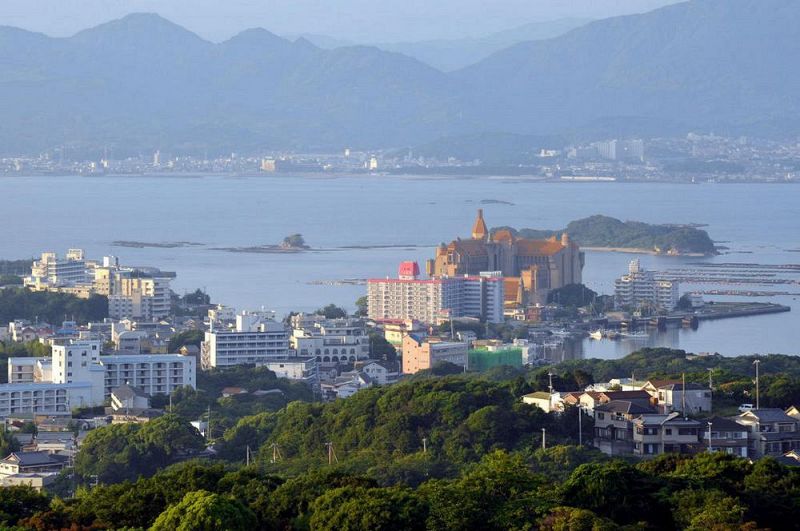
(21, 303)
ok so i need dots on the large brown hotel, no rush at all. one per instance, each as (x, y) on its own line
(531, 268)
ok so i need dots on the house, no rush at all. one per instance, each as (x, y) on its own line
(655, 434)
(770, 432)
(613, 426)
(381, 372)
(36, 469)
(228, 392)
(547, 402)
(127, 397)
(726, 436)
(794, 412)
(689, 398)
(346, 385)
(591, 399)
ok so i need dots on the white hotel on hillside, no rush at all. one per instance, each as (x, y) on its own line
(77, 375)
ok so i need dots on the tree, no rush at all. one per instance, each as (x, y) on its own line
(359, 508)
(205, 511)
(331, 311)
(380, 348)
(197, 297)
(188, 337)
(124, 451)
(294, 241)
(572, 519)
(576, 295)
(21, 502)
(362, 305)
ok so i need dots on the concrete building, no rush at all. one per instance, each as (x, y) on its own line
(152, 373)
(256, 339)
(52, 271)
(423, 353)
(301, 368)
(381, 372)
(435, 300)
(35, 469)
(47, 398)
(330, 340)
(640, 288)
(531, 267)
(126, 397)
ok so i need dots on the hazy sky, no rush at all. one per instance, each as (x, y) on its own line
(360, 20)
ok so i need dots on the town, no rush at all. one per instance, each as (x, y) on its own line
(694, 158)
(488, 302)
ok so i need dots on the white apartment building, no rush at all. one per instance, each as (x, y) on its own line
(152, 373)
(330, 340)
(256, 339)
(139, 296)
(50, 270)
(641, 287)
(77, 375)
(435, 300)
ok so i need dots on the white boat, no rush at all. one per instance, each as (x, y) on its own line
(561, 332)
(597, 334)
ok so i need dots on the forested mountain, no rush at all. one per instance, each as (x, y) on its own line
(143, 83)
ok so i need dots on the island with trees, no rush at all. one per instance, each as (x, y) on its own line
(606, 233)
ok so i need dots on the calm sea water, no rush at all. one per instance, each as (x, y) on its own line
(759, 222)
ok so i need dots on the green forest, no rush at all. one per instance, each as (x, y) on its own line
(431, 452)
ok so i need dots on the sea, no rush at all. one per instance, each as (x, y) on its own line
(360, 227)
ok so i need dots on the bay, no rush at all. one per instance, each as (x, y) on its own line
(759, 222)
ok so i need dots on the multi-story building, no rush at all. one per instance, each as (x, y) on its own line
(330, 340)
(435, 300)
(50, 270)
(139, 295)
(726, 436)
(613, 426)
(255, 339)
(47, 397)
(531, 267)
(641, 287)
(152, 373)
(690, 398)
(301, 368)
(655, 434)
(423, 353)
(770, 432)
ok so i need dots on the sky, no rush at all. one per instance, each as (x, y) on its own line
(356, 20)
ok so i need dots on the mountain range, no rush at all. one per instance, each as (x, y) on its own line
(143, 83)
(451, 54)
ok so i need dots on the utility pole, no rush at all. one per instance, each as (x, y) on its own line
(710, 383)
(683, 393)
(756, 363)
(544, 438)
(424, 445)
(331, 453)
(580, 426)
(709, 436)
(550, 376)
(276, 453)
(248, 455)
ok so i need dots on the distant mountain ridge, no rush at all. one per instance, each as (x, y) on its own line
(142, 83)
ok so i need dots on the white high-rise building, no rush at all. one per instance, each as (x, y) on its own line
(330, 340)
(50, 270)
(435, 300)
(256, 339)
(641, 287)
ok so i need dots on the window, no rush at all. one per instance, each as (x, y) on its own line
(601, 416)
(668, 431)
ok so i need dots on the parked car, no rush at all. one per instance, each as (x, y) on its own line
(745, 407)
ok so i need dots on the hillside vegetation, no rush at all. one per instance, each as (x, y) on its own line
(605, 231)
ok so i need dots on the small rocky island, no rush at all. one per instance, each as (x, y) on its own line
(294, 243)
(611, 234)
